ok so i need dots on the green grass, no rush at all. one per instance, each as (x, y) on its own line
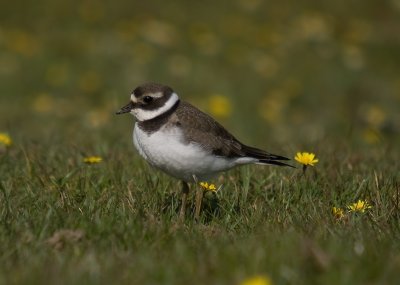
(272, 221)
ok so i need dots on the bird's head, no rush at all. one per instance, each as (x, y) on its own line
(150, 100)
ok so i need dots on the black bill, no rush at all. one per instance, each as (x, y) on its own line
(126, 109)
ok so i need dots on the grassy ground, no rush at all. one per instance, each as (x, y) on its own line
(66, 222)
(290, 77)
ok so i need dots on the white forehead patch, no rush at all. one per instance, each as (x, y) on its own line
(156, 95)
(144, 115)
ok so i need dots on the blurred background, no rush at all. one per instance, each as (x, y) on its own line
(273, 72)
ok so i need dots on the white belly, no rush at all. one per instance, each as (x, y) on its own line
(166, 150)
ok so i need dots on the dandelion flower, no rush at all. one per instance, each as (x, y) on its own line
(43, 103)
(5, 139)
(92, 159)
(306, 158)
(220, 106)
(338, 213)
(90, 82)
(208, 187)
(375, 116)
(359, 206)
(257, 280)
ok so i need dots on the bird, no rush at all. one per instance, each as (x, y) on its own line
(179, 139)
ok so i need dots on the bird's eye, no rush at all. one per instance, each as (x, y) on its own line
(147, 99)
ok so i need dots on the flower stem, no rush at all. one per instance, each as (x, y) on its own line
(304, 169)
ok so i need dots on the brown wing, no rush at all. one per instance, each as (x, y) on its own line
(203, 129)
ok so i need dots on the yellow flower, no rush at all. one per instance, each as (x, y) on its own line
(97, 118)
(272, 107)
(44, 103)
(375, 116)
(57, 74)
(219, 106)
(359, 206)
(338, 213)
(257, 280)
(22, 42)
(92, 159)
(372, 136)
(208, 187)
(306, 158)
(5, 139)
(90, 81)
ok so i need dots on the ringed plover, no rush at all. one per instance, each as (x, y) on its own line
(179, 139)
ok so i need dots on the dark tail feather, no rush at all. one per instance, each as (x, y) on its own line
(265, 157)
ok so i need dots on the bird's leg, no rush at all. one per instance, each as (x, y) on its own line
(185, 192)
(199, 201)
